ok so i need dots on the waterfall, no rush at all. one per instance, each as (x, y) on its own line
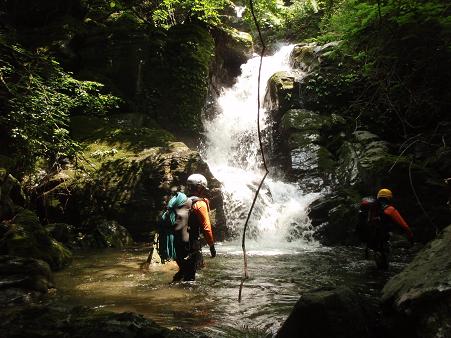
(279, 218)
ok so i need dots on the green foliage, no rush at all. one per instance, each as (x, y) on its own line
(40, 97)
(403, 49)
(161, 13)
(170, 12)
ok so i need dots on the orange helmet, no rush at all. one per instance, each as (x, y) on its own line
(385, 193)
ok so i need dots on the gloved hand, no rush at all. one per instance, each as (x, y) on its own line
(213, 251)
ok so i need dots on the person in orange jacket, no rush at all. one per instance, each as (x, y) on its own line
(188, 248)
(380, 217)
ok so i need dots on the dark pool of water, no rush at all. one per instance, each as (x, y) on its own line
(112, 280)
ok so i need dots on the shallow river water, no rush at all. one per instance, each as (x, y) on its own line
(112, 280)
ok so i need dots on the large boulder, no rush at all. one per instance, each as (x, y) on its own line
(24, 273)
(26, 237)
(328, 312)
(129, 173)
(232, 49)
(308, 56)
(420, 296)
(334, 217)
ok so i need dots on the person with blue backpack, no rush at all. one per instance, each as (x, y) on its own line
(180, 227)
(188, 230)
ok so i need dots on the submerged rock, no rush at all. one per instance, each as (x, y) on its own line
(81, 322)
(328, 312)
(420, 296)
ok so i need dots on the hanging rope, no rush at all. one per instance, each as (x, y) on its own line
(243, 243)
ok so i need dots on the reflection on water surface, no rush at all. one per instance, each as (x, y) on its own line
(111, 280)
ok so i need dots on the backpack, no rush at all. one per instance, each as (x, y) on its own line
(175, 215)
(372, 227)
(194, 226)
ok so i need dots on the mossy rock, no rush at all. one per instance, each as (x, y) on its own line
(189, 53)
(420, 293)
(106, 234)
(133, 132)
(25, 273)
(62, 232)
(280, 92)
(26, 237)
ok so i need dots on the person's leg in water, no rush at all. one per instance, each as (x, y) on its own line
(181, 251)
(192, 264)
(382, 255)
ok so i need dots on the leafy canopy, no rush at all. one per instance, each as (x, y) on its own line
(40, 97)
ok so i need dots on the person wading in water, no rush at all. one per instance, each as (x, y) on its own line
(377, 218)
(192, 217)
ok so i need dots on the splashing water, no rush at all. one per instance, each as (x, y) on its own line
(279, 218)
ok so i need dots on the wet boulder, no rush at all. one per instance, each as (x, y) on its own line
(308, 56)
(105, 234)
(299, 147)
(131, 168)
(63, 232)
(327, 312)
(420, 296)
(26, 237)
(334, 217)
(23, 278)
(232, 49)
(280, 92)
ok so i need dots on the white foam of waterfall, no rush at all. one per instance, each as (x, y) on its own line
(279, 219)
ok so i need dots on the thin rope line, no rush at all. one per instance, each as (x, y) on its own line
(243, 243)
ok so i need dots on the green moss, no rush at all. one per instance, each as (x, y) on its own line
(120, 137)
(190, 49)
(28, 238)
(28, 219)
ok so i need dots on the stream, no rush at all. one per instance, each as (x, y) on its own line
(284, 259)
(111, 280)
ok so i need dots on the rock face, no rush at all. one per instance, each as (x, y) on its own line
(317, 145)
(421, 294)
(232, 49)
(129, 174)
(323, 313)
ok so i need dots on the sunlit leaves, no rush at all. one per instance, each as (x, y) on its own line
(41, 98)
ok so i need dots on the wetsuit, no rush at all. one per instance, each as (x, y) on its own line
(383, 219)
(187, 244)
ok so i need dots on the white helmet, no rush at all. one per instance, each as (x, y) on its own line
(197, 179)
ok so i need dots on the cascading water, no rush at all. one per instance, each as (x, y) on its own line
(285, 262)
(279, 219)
